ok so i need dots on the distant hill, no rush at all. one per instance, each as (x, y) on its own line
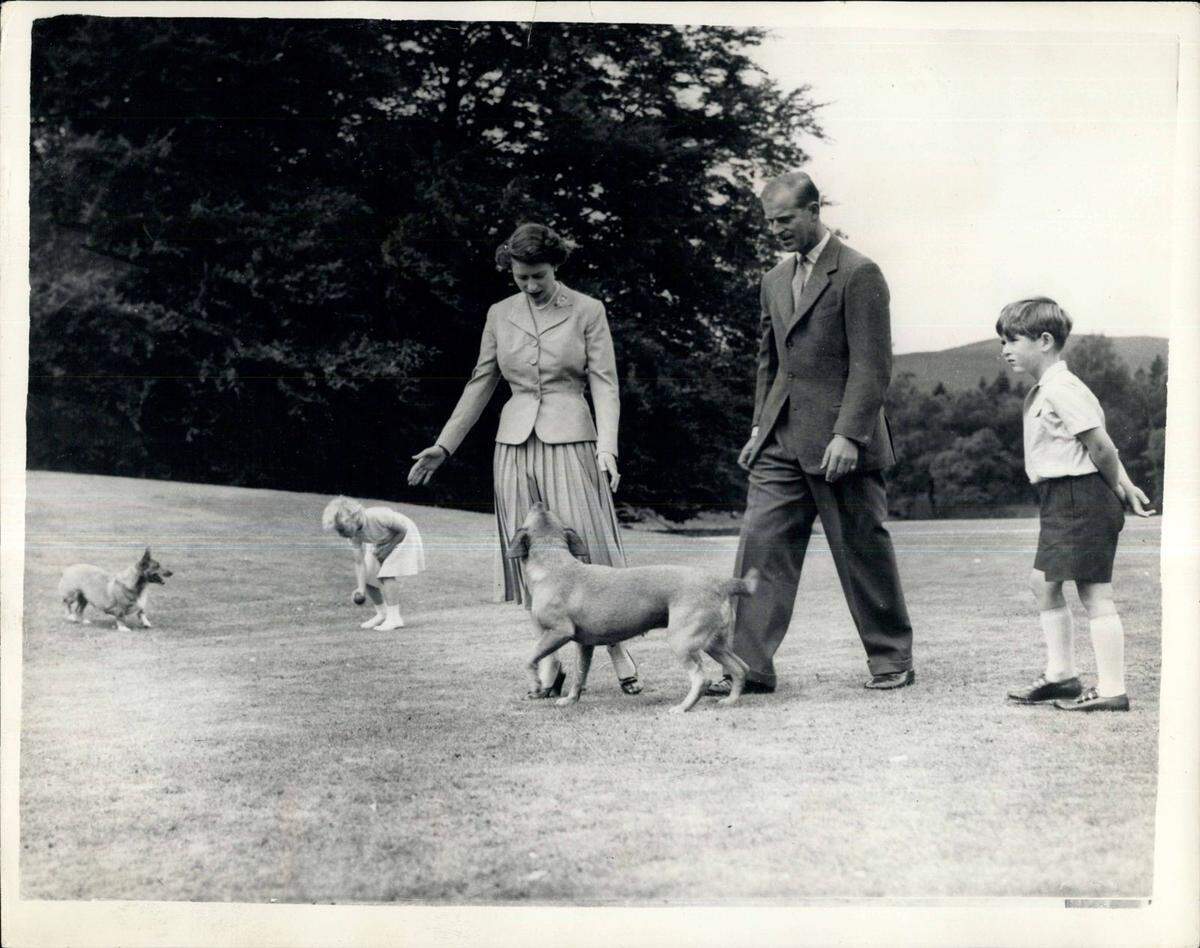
(963, 366)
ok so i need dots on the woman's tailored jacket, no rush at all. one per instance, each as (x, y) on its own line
(546, 366)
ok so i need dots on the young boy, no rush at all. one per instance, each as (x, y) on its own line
(1083, 487)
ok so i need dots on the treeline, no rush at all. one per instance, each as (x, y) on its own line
(262, 250)
(261, 254)
(961, 453)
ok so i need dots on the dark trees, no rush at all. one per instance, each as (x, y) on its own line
(262, 249)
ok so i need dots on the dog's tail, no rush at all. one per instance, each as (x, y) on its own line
(746, 586)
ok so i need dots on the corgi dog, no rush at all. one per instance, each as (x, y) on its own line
(121, 596)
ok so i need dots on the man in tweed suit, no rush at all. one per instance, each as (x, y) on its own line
(819, 442)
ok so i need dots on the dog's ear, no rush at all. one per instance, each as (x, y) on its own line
(146, 557)
(518, 549)
(577, 546)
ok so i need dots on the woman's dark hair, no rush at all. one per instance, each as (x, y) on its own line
(530, 244)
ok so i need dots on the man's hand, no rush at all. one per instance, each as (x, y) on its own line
(747, 450)
(608, 465)
(841, 457)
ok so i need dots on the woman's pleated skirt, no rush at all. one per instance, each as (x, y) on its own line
(566, 478)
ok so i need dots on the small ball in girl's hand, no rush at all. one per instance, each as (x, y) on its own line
(359, 598)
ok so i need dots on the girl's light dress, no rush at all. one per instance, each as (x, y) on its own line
(380, 526)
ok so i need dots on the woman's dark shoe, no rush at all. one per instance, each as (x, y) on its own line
(631, 686)
(553, 691)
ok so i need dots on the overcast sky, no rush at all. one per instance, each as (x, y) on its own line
(977, 168)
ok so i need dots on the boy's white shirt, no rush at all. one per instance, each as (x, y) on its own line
(1057, 410)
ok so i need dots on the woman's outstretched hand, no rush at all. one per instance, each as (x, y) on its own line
(428, 461)
(608, 465)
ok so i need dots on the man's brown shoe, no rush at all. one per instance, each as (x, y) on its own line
(891, 680)
(720, 689)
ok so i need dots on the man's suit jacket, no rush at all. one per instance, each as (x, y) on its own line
(828, 360)
(546, 366)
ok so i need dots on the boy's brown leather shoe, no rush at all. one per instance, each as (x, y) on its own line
(1042, 690)
(1091, 701)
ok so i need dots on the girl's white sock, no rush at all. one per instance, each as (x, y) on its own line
(391, 620)
(1060, 644)
(1108, 642)
(379, 616)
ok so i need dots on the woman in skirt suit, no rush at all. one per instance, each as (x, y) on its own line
(547, 341)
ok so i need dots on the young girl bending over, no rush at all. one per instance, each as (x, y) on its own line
(386, 545)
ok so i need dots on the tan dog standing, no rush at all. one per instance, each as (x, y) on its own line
(598, 605)
(120, 596)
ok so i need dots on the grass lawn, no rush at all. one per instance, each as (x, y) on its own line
(256, 745)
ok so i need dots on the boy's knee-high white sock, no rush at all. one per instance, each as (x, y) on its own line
(1060, 644)
(1108, 642)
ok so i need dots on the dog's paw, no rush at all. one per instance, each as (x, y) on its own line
(728, 699)
(676, 709)
(122, 627)
(146, 623)
(566, 700)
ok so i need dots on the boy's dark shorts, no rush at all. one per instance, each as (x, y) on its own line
(1081, 519)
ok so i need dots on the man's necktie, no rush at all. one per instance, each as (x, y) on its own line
(797, 285)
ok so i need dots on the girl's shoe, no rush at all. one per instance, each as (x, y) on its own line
(373, 621)
(389, 625)
(553, 691)
(631, 686)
